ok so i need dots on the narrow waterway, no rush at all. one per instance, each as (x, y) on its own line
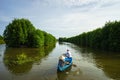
(42, 63)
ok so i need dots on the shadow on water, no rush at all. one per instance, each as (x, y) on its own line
(20, 60)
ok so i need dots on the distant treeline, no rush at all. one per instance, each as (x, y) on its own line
(22, 33)
(105, 38)
(1, 40)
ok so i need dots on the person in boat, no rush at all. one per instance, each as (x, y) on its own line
(65, 58)
(68, 56)
(62, 60)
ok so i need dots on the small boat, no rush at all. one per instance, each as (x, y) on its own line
(63, 65)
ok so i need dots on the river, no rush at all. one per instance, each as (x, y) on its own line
(41, 64)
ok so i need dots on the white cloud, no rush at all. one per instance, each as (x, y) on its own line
(65, 17)
(72, 24)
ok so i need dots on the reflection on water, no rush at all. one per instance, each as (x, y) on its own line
(20, 60)
(109, 62)
(71, 73)
(41, 64)
(63, 75)
(86, 67)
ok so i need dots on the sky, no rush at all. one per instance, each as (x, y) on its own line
(61, 18)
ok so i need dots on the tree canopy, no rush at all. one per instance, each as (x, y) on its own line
(105, 38)
(21, 32)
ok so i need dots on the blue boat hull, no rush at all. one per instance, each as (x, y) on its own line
(62, 66)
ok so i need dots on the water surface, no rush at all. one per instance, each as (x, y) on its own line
(41, 64)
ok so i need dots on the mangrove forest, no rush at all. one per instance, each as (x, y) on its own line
(22, 33)
(106, 38)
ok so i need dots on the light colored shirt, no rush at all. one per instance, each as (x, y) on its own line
(68, 54)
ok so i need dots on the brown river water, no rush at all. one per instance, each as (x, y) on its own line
(41, 63)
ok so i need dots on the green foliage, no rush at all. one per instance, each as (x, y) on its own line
(36, 38)
(106, 38)
(62, 39)
(111, 38)
(21, 32)
(49, 39)
(1, 40)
